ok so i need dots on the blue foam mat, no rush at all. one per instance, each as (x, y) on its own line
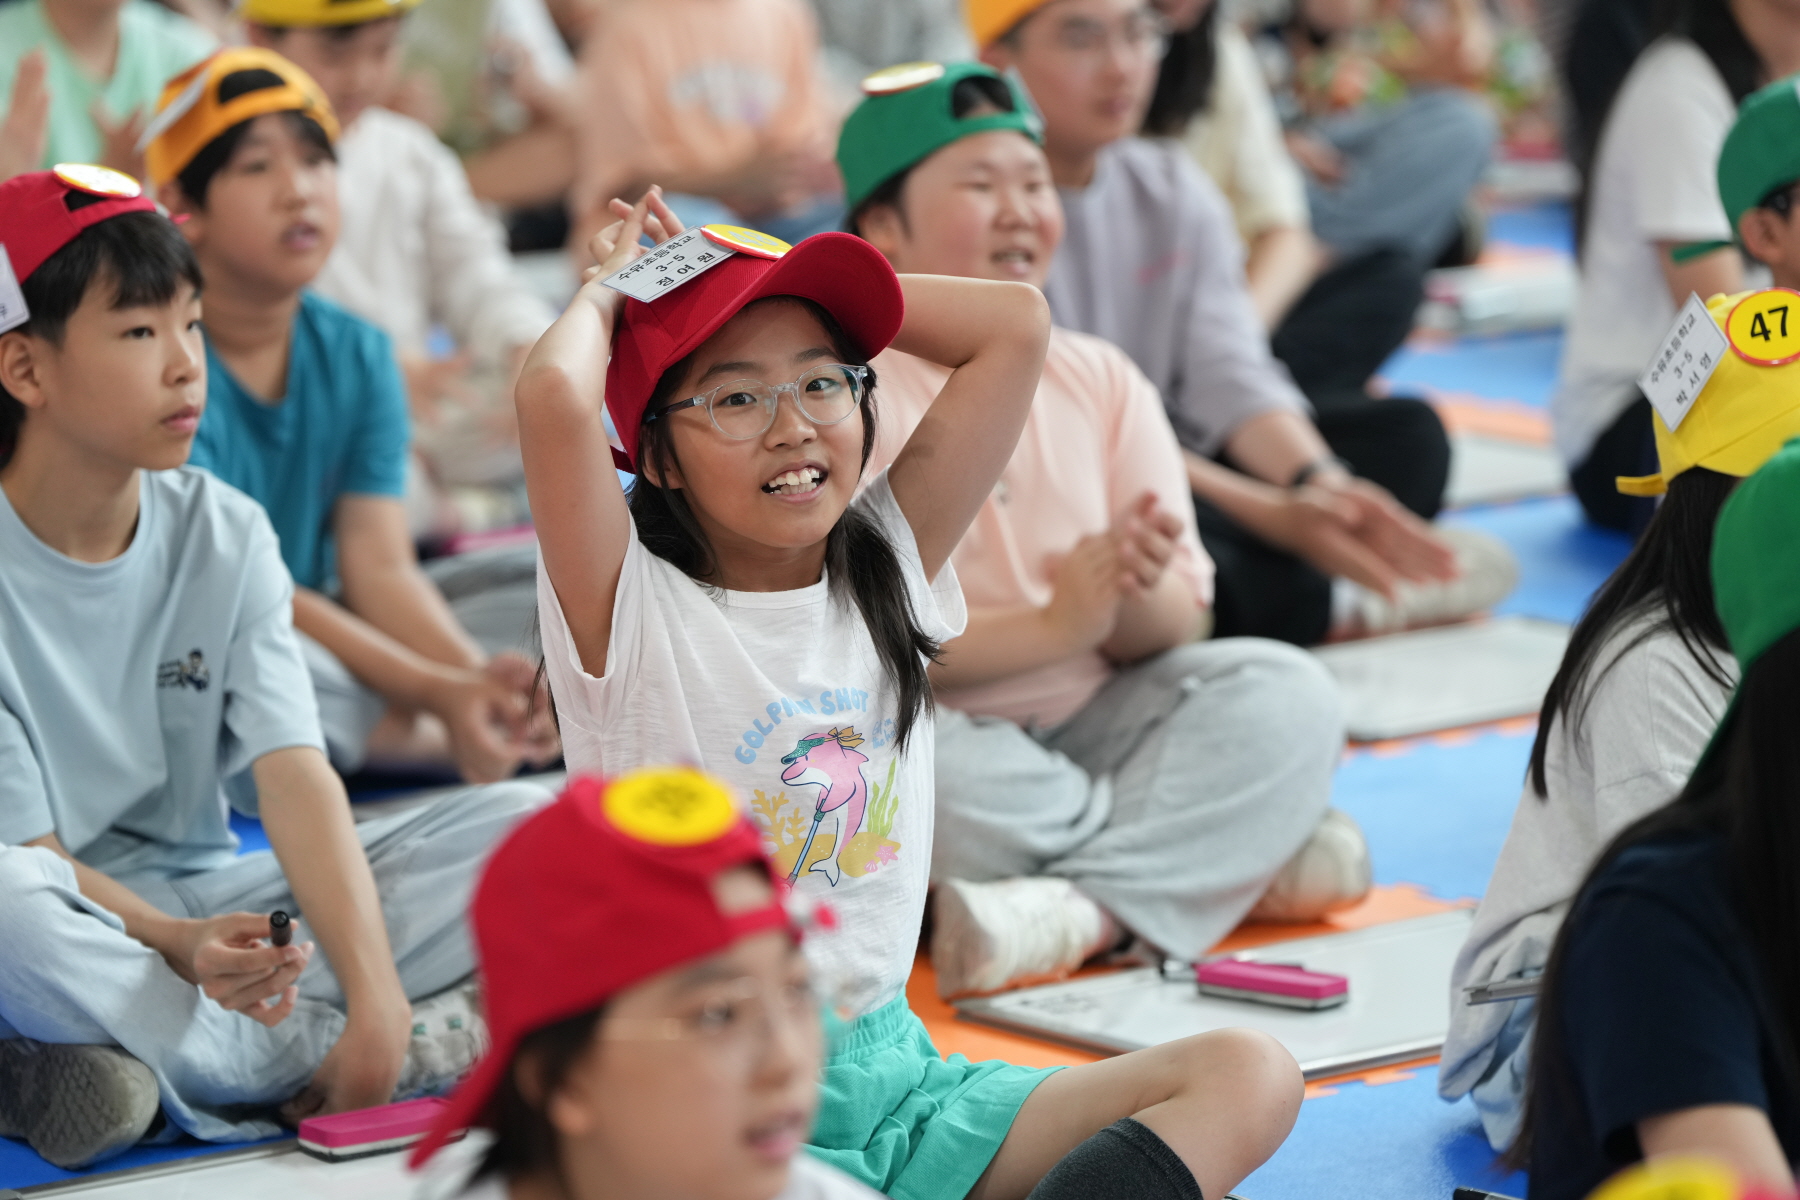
(1562, 559)
(1382, 1143)
(1519, 366)
(20, 1167)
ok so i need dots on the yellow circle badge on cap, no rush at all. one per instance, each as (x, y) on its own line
(1764, 327)
(903, 78)
(746, 241)
(669, 806)
(97, 180)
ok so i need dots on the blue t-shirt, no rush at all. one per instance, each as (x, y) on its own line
(131, 689)
(1661, 1006)
(340, 428)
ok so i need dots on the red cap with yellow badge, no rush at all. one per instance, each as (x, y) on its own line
(43, 211)
(684, 290)
(608, 886)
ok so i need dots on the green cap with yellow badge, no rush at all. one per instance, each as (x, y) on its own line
(1748, 405)
(907, 114)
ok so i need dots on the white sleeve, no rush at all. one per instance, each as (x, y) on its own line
(474, 289)
(1269, 192)
(811, 1179)
(528, 23)
(581, 698)
(1674, 120)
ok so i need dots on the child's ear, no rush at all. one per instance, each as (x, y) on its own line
(668, 481)
(998, 56)
(188, 215)
(884, 228)
(19, 366)
(1760, 231)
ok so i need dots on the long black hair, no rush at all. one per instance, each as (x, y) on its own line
(861, 563)
(1743, 792)
(1184, 81)
(140, 256)
(1667, 576)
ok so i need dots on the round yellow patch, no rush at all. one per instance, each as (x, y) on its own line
(98, 181)
(1671, 1179)
(749, 241)
(1764, 327)
(669, 806)
(902, 78)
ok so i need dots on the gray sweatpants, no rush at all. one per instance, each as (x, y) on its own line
(70, 974)
(1171, 799)
(1409, 167)
(494, 596)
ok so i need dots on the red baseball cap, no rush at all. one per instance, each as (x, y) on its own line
(609, 885)
(36, 220)
(841, 273)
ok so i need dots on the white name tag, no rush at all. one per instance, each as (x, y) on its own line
(668, 266)
(1689, 354)
(13, 312)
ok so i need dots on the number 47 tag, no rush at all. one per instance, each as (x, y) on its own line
(1689, 354)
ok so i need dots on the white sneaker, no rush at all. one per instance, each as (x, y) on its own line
(75, 1105)
(1487, 573)
(1331, 871)
(449, 1034)
(990, 936)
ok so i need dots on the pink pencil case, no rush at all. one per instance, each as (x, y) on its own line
(367, 1131)
(1271, 983)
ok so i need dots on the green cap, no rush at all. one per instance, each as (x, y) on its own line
(1756, 566)
(1762, 151)
(905, 117)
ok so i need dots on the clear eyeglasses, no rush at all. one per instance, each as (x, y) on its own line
(739, 1015)
(745, 408)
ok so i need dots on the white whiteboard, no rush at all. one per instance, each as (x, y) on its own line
(1399, 1005)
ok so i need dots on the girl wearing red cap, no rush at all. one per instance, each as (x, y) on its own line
(756, 606)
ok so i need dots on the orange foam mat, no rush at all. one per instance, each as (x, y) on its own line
(953, 1036)
(1506, 420)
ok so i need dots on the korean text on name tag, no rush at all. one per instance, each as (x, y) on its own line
(668, 266)
(1686, 359)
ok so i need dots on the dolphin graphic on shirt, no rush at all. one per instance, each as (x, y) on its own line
(831, 762)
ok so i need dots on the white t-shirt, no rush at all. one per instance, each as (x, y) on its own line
(781, 695)
(1653, 181)
(1237, 141)
(810, 1179)
(1650, 710)
(132, 689)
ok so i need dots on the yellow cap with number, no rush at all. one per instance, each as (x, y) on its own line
(1749, 407)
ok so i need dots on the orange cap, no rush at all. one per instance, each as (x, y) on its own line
(991, 20)
(190, 115)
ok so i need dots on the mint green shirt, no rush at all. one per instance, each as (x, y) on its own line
(155, 45)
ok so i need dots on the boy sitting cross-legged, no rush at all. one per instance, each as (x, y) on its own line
(1100, 774)
(307, 414)
(147, 666)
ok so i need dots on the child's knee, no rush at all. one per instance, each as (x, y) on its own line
(1256, 1071)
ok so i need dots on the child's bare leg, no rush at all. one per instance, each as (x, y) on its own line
(1223, 1102)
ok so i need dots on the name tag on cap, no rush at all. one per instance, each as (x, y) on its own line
(13, 312)
(687, 256)
(1686, 359)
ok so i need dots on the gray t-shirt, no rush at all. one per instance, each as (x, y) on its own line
(131, 689)
(1650, 710)
(1152, 263)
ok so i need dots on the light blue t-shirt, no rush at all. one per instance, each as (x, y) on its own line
(341, 427)
(131, 689)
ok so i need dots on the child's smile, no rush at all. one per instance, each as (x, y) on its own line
(803, 481)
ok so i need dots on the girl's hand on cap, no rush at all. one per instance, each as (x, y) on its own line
(620, 243)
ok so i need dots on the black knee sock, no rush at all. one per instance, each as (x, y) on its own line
(1124, 1161)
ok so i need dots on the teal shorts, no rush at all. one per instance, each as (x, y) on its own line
(908, 1123)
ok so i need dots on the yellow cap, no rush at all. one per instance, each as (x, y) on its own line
(190, 115)
(991, 20)
(1739, 420)
(285, 14)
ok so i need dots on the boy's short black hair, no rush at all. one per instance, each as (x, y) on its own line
(969, 94)
(141, 256)
(197, 176)
(336, 34)
(1780, 198)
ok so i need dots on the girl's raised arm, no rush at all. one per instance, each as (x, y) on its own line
(992, 336)
(583, 524)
